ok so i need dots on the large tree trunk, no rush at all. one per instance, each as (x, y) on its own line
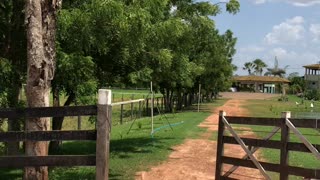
(40, 22)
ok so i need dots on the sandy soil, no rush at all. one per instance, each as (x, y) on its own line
(195, 159)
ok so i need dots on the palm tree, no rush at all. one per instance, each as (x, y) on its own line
(258, 66)
(248, 66)
(276, 71)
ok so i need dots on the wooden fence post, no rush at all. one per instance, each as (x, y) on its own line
(103, 134)
(284, 152)
(147, 106)
(132, 98)
(121, 113)
(220, 144)
(162, 103)
(139, 109)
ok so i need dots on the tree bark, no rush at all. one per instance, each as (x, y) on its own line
(41, 28)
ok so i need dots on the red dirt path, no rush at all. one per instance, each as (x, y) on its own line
(195, 159)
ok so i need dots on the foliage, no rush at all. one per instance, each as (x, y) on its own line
(12, 50)
(75, 76)
(297, 84)
(257, 65)
(173, 43)
(276, 71)
(313, 94)
(249, 67)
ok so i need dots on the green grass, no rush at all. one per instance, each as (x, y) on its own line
(134, 151)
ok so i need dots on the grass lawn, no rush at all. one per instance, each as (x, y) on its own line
(133, 151)
(273, 108)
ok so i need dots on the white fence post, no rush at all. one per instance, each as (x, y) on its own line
(103, 134)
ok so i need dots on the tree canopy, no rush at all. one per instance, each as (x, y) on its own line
(173, 43)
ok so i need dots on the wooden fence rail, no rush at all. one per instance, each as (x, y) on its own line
(101, 135)
(284, 145)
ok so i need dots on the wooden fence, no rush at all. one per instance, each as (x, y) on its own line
(285, 124)
(101, 135)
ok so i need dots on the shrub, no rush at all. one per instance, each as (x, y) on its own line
(312, 94)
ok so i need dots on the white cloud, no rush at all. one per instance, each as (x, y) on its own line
(315, 31)
(288, 32)
(295, 60)
(301, 3)
(259, 1)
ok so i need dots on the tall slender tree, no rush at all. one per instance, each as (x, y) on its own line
(276, 71)
(258, 65)
(249, 67)
(40, 17)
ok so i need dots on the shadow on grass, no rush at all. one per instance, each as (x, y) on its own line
(136, 145)
(10, 173)
(132, 145)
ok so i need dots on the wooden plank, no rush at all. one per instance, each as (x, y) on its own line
(306, 173)
(255, 142)
(220, 146)
(306, 123)
(292, 146)
(301, 147)
(254, 121)
(47, 135)
(284, 152)
(248, 163)
(24, 161)
(14, 113)
(312, 149)
(243, 146)
(297, 171)
(103, 134)
(127, 102)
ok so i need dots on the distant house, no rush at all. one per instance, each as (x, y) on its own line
(312, 76)
(265, 84)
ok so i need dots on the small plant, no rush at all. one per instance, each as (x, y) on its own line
(139, 124)
(271, 108)
(120, 134)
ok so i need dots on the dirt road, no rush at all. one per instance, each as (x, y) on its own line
(195, 159)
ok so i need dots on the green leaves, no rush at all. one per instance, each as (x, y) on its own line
(173, 43)
(233, 6)
(75, 75)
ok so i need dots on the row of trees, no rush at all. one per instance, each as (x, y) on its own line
(257, 66)
(98, 43)
(101, 43)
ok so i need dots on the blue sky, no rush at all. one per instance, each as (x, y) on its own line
(288, 29)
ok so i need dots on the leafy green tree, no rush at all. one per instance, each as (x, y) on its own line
(13, 57)
(134, 42)
(297, 83)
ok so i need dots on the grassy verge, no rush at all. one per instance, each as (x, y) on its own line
(132, 151)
